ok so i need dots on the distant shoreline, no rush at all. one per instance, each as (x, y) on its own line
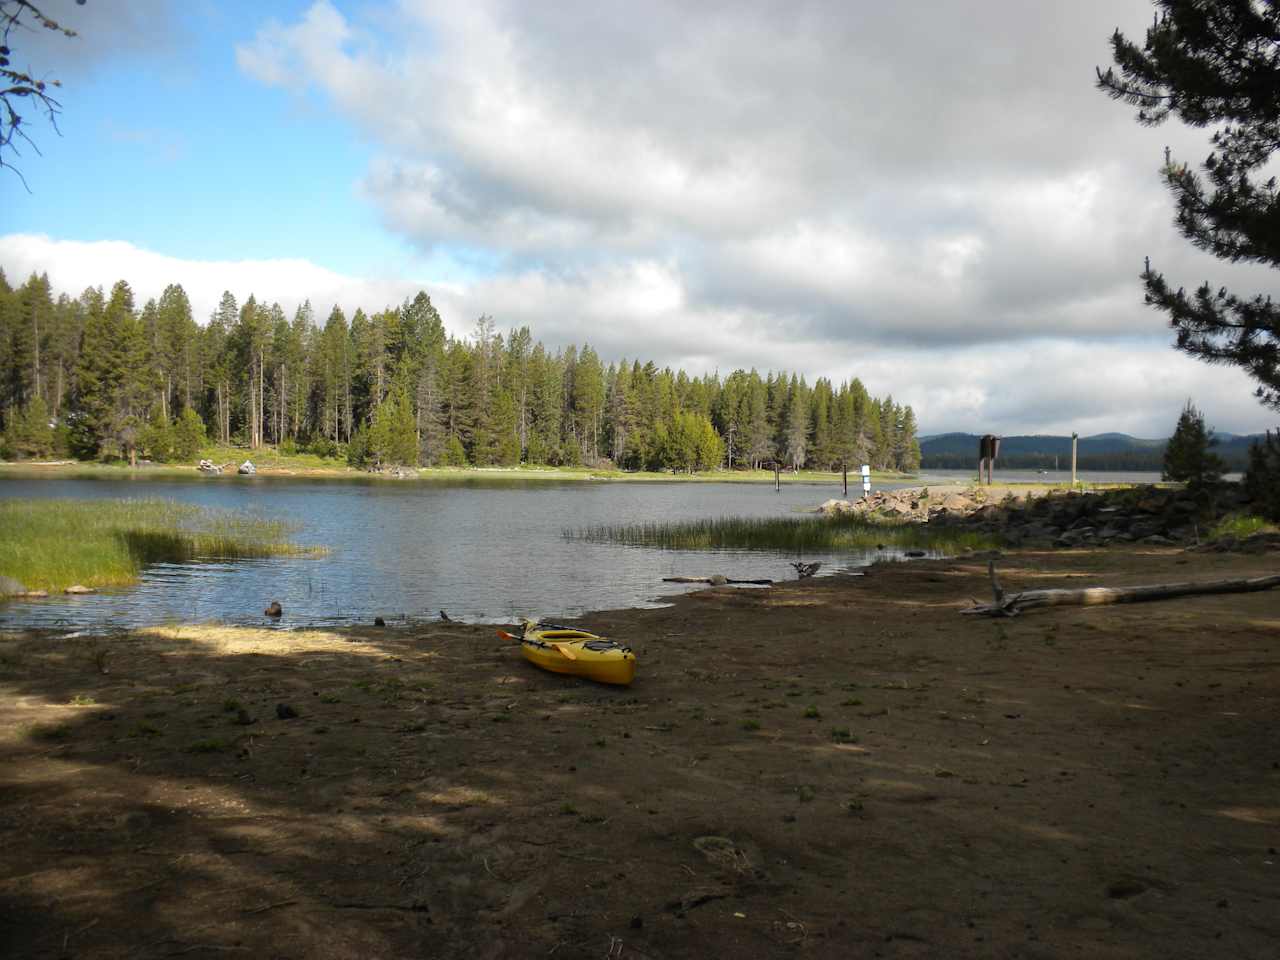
(283, 468)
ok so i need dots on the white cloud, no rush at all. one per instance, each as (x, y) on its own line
(861, 172)
(73, 266)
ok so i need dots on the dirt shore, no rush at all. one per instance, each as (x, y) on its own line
(833, 768)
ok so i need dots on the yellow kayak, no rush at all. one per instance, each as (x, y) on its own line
(575, 652)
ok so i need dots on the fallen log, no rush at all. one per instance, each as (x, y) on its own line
(715, 580)
(1010, 605)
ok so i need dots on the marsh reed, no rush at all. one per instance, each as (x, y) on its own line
(51, 544)
(799, 534)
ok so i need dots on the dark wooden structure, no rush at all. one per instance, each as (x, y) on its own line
(988, 450)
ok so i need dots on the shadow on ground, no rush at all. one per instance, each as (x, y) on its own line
(828, 768)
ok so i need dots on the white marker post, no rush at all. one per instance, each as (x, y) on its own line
(866, 479)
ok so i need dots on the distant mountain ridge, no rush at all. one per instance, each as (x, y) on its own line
(1103, 451)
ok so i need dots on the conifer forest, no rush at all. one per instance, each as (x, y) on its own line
(98, 376)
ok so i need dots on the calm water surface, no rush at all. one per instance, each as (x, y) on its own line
(481, 551)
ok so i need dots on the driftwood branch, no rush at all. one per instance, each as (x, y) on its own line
(717, 581)
(1012, 604)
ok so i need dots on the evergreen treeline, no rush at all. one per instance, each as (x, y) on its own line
(105, 379)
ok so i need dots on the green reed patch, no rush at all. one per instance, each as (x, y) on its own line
(796, 534)
(1240, 525)
(52, 544)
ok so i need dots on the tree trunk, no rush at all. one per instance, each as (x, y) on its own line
(262, 397)
(35, 324)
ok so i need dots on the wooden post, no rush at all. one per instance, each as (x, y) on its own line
(845, 466)
(777, 477)
(1074, 437)
(988, 450)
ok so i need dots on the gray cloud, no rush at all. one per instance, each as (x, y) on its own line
(814, 185)
(105, 31)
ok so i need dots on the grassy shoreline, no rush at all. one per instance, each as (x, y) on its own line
(270, 464)
(53, 544)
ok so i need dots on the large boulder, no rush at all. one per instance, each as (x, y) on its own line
(247, 469)
(1076, 537)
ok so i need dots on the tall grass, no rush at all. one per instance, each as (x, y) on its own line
(1240, 526)
(52, 544)
(790, 534)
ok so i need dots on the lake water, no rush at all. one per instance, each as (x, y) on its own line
(1035, 476)
(482, 550)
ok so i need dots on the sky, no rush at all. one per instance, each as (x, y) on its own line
(931, 197)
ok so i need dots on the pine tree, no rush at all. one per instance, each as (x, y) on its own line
(505, 450)
(796, 424)
(1188, 457)
(1262, 478)
(517, 378)
(416, 347)
(30, 325)
(334, 377)
(216, 352)
(156, 439)
(907, 449)
(27, 435)
(588, 403)
(710, 446)
(759, 442)
(107, 403)
(297, 371)
(188, 435)
(393, 438)
(544, 406)
(176, 349)
(1216, 63)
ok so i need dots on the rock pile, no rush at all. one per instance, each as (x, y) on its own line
(909, 504)
(1151, 515)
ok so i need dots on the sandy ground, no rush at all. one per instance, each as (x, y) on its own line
(833, 768)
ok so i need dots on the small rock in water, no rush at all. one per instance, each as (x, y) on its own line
(35, 594)
(285, 712)
(716, 580)
(243, 718)
(379, 622)
(445, 617)
(79, 588)
(274, 610)
(915, 554)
